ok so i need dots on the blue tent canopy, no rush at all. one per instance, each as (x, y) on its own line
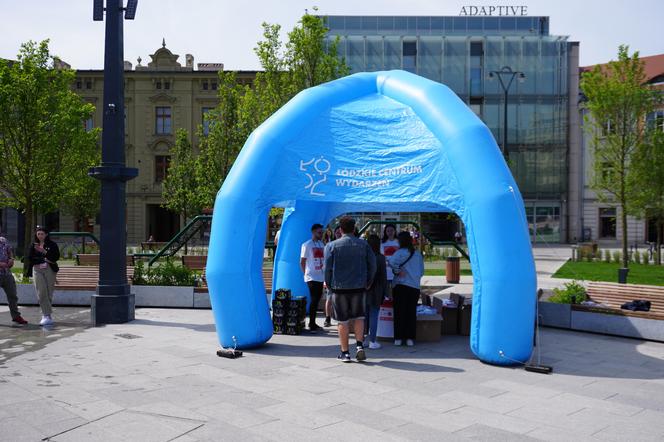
(381, 141)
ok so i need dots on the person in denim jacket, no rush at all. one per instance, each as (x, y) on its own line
(350, 266)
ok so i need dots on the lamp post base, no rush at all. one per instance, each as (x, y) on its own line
(112, 309)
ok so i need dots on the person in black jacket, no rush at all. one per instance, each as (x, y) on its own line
(42, 259)
(377, 291)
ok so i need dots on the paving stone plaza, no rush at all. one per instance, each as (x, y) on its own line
(158, 379)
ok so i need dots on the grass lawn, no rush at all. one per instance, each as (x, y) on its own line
(437, 268)
(441, 272)
(602, 271)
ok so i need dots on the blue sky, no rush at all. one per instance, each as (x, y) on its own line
(224, 31)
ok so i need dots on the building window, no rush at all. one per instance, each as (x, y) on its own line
(205, 85)
(409, 49)
(214, 85)
(476, 106)
(163, 120)
(607, 222)
(79, 84)
(608, 128)
(206, 122)
(88, 85)
(167, 85)
(655, 120)
(161, 164)
(476, 68)
(158, 85)
(88, 124)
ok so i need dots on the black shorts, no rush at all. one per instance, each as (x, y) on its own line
(348, 306)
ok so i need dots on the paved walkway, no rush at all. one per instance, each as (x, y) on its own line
(158, 379)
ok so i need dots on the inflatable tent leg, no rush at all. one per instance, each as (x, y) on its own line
(295, 230)
(234, 275)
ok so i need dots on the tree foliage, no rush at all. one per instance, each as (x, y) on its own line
(44, 148)
(180, 184)
(618, 102)
(647, 180)
(305, 60)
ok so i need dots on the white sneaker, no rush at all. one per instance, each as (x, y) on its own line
(374, 345)
(46, 320)
(409, 342)
(397, 342)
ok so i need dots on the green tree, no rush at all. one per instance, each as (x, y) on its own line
(180, 184)
(618, 102)
(42, 133)
(647, 180)
(81, 194)
(309, 59)
(228, 128)
(305, 60)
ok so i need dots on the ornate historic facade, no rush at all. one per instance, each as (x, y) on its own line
(160, 98)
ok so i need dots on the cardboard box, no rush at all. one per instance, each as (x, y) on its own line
(428, 328)
(450, 324)
(465, 313)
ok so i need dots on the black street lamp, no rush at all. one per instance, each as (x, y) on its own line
(505, 83)
(113, 304)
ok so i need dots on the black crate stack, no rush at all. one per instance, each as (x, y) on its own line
(288, 313)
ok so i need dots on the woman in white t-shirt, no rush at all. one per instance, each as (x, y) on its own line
(389, 244)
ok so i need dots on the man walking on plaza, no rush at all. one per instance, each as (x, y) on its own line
(311, 263)
(7, 280)
(350, 266)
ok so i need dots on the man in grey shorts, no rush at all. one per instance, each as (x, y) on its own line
(350, 266)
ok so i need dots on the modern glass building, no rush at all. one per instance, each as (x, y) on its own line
(460, 52)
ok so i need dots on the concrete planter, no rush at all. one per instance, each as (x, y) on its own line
(555, 315)
(146, 296)
(27, 295)
(163, 296)
(562, 316)
(628, 326)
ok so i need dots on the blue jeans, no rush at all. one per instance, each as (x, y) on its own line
(372, 315)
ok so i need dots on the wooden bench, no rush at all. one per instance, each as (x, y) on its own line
(614, 295)
(93, 260)
(198, 262)
(194, 262)
(82, 277)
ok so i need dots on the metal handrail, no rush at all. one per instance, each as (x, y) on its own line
(417, 226)
(174, 240)
(79, 234)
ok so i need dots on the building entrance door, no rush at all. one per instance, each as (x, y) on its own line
(163, 224)
(543, 222)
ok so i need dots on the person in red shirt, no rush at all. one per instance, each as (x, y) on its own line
(389, 244)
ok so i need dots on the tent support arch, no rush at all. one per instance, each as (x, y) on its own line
(382, 141)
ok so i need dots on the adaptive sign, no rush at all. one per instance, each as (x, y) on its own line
(492, 10)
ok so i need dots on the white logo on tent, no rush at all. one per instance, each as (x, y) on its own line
(321, 167)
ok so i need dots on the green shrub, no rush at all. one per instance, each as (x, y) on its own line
(573, 292)
(590, 257)
(167, 274)
(617, 256)
(637, 257)
(607, 255)
(644, 258)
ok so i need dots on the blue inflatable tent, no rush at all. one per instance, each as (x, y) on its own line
(372, 142)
